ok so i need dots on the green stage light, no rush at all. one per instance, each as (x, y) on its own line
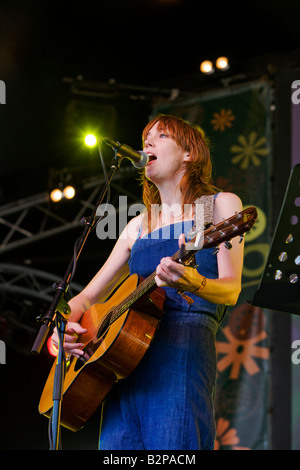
(90, 140)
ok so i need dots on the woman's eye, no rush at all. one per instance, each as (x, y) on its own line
(162, 135)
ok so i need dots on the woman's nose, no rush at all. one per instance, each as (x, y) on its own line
(148, 143)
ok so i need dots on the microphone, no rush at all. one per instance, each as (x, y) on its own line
(139, 159)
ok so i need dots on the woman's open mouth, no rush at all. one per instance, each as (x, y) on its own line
(152, 158)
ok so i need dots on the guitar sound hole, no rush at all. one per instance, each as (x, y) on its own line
(103, 328)
(80, 361)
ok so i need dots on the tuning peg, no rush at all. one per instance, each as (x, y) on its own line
(216, 250)
(228, 245)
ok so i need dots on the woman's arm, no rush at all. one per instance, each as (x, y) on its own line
(112, 273)
(225, 289)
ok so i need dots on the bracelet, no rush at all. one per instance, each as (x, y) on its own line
(203, 284)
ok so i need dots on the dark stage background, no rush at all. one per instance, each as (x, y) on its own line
(106, 67)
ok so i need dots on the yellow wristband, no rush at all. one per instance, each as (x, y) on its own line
(203, 284)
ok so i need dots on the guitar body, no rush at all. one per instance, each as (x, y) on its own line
(112, 352)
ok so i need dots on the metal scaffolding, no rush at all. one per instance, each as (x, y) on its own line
(30, 283)
(35, 218)
(24, 291)
(25, 294)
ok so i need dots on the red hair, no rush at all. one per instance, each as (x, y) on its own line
(196, 180)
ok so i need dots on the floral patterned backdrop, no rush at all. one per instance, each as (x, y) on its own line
(237, 122)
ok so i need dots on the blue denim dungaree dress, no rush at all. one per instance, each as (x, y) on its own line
(167, 402)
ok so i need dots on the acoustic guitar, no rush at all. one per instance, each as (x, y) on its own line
(120, 330)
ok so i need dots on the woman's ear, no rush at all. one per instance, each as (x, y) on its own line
(186, 157)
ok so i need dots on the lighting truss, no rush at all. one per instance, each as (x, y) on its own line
(25, 294)
(29, 283)
(35, 218)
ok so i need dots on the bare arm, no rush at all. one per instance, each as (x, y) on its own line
(225, 289)
(112, 273)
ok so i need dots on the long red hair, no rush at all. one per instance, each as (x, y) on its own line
(196, 180)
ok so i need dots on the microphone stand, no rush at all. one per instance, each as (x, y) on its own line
(59, 313)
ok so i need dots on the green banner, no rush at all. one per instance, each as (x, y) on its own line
(238, 123)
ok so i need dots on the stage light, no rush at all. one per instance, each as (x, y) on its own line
(206, 67)
(69, 192)
(56, 195)
(222, 63)
(90, 140)
(51, 348)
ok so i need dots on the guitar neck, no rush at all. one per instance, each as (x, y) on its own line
(146, 286)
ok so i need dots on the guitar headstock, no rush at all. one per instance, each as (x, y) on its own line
(238, 224)
(222, 232)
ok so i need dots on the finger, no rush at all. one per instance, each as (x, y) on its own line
(181, 239)
(162, 273)
(71, 338)
(69, 342)
(159, 282)
(76, 329)
(72, 347)
(165, 263)
(165, 280)
(171, 268)
(77, 353)
(71, 334)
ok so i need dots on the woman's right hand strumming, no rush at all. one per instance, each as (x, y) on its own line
(71, 345)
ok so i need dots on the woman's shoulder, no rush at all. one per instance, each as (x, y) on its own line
(226, 205)
(227, 198)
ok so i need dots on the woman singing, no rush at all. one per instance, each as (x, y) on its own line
(167, 403)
